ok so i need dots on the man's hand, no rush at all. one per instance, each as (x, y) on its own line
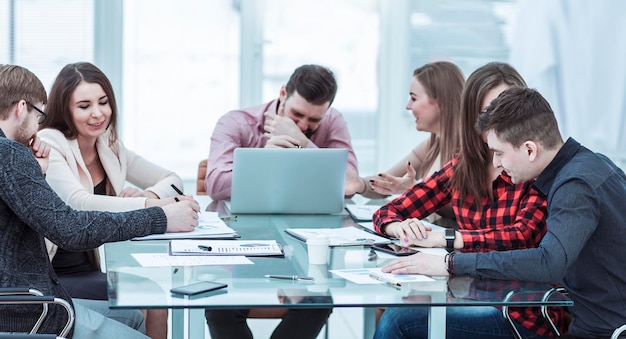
(280, 125)
(388, 184)
(281, 141)
(41, 150)
(354, 183)
(182, 216)
(418, 263)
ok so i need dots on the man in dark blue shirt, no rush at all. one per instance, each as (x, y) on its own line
(586, 192)
(583, 248)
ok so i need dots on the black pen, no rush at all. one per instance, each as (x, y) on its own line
(205, 248)
(177, 190)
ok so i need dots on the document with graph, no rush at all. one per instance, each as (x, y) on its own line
(250, 248)
(210, 226)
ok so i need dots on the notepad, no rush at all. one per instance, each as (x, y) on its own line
(361, 212)
(226, 247)
(344, 236)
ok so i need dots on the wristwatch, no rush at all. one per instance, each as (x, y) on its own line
(449, 235)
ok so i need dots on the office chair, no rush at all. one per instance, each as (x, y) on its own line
(544, 311)
(200, 189)
(618, 331)
(14, 296)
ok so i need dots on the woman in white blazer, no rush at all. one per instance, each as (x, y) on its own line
(89, 167)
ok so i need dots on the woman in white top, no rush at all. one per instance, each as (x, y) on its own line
(435, 101)
(89, 167)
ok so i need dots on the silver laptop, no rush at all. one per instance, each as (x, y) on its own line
(288, 181)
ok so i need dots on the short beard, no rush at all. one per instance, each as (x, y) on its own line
(309, 133)
(22, 136)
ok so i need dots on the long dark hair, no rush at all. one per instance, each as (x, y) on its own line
(470, 176)
(58, 107)
(443, 82)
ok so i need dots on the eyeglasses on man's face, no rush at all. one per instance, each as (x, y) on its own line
(41, 118)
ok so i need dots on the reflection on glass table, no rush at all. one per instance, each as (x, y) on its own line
(134, 286)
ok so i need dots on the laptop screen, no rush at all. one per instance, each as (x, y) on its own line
(288, 181)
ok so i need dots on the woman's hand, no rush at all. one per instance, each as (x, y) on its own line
(409, 231)
(167, 201)
(131, 192)
(387, 184)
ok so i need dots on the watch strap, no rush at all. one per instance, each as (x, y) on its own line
(450, 243)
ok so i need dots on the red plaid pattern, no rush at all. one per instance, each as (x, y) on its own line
(513, 219)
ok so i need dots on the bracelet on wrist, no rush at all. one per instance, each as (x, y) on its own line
(364, 185)
(449, 260)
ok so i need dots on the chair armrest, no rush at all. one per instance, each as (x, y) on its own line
(18, 295)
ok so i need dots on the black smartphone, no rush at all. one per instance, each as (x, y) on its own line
(395, 249)
(197, 288)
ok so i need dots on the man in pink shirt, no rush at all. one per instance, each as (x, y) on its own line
(300, 117)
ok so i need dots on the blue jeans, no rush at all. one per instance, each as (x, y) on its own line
(484, 322)
(94, 319)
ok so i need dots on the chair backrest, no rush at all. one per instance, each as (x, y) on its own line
(13, 296)
(200, 189)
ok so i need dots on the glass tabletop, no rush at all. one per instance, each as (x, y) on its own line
(133, 286)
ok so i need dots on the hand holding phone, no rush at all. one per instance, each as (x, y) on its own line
(394, 249)
(197, 288)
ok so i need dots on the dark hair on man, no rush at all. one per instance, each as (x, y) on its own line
(316, 84)
(58, 108)
(18, 83)
(470, 178)
(520, 114)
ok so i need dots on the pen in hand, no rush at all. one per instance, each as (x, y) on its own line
(177, 190)
(289, 277)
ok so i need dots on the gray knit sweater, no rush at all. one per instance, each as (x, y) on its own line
(30, 211)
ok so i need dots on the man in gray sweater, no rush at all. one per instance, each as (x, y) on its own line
(30, 210)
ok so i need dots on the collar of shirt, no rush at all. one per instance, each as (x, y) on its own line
(564, 155)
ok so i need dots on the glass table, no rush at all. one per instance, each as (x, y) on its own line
(133, 286)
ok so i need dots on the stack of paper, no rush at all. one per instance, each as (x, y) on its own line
(344, 236)
(226, 247)
(210, 226)
(361, 212)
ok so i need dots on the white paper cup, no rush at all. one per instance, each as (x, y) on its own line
(318, 250)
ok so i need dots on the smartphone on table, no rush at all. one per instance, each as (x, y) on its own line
(394, 249)
(197, 288)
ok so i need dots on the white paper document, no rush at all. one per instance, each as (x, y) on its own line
(226, 247)
(210, 226)
(376, 276)
(164, 259)
(361, 212)
(343, 236)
